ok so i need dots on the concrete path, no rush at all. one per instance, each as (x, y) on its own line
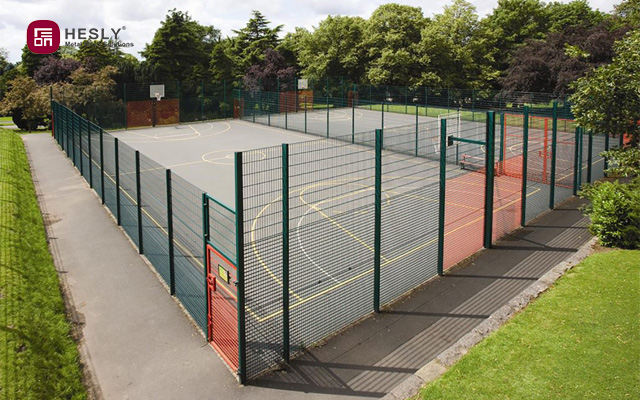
(139, 344)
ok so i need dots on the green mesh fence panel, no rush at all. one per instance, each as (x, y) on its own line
(538, 166)
(84, 146)
(565, 161)
(331, 224)
(409, 213)
(222, 229)
(154, 215)
(189, 263)
(262, 194)
(94, 141)
(128, 195)
(109, 159)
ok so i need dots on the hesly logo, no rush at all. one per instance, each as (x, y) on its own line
(43, 37)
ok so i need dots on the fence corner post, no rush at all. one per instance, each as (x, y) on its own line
(242, 353)
(442, 194)
(286, 351)
(377, 222)
(489, 178)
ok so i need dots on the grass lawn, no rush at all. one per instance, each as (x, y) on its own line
(39, 358)
(580, 340)
(6, 121)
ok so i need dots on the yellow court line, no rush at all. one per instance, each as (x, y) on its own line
(387, 263)
(156, 139)
(334, 222)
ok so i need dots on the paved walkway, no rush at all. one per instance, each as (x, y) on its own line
(139, 344)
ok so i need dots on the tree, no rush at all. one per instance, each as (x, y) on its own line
(608, 100)
(512, 23)
(223, 61)
(27, 102)
(31, 61)
(4, 63)
(629, 13)
(96, 54)
(180, 48)
(551, 65)
(333, 49)
(456, 51)
(272, 70)
(576, 14)
(253, 40)
(392, 37)
(54, 70)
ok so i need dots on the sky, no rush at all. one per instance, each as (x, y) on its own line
(141, 18)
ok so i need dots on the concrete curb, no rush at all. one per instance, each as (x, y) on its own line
(438, 366)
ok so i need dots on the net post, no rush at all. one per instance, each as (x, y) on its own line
(242, 355)
(90, 155)
(417, 127)
(378, 219)
(172, 272)
(489, 179)
(102, 165)
(124, 95)
(442, 194)
(525, 156)
(590, 156)
(577, 164)
(554, 153)
(205, 240)
(285, 253)
(117, 163)
(139, 201)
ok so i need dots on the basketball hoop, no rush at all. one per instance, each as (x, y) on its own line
(158, 96)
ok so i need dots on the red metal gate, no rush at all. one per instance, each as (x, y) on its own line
(222, 313)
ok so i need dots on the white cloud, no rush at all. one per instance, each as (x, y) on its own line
(143, 17)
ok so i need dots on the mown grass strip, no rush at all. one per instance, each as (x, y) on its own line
(580, 340)
(39, 358)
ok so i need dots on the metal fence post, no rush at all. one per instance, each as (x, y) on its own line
(139, 201)
(202, 100)
(172, 272)
(285, 252)
(353, 114)
(442, 194)
(525, 156)
(90, 155)
(417, 128)
(102, 194)
(426, 101)
(286, 110)
(489, 179)
(382, 117)
(73, 139)
(116, 148)
(80, 145)
(590, 156)
(242, 355)
(205, 242)
(378, 219)
(554, 144)
(577, 164)
(503, 132)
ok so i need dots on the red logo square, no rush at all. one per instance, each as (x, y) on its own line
(43, 37)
